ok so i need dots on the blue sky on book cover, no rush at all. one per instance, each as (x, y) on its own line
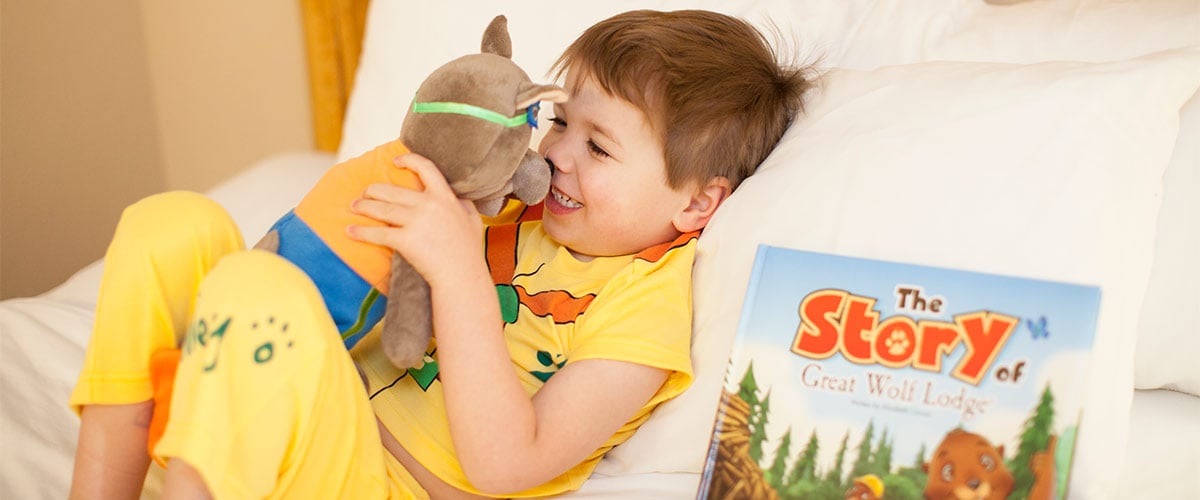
(1048, 347)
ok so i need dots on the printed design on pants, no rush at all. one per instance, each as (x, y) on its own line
(266, 351)
(205, 336)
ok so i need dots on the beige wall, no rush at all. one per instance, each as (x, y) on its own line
(102, 103)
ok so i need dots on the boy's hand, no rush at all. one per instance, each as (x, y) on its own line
(437, 232)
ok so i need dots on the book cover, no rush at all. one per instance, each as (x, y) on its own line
(867, 379)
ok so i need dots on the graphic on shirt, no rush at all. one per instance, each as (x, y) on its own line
(423, 376)
(510, 303)
(656, 252)
(549, 361)
(559, 305)
(426, 374)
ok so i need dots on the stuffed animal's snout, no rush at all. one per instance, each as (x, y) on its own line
(530, 184)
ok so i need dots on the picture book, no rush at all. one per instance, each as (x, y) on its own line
(867, 379)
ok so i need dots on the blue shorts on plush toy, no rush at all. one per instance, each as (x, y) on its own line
(355, 305)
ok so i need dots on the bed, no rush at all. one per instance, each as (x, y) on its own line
(1057, 139)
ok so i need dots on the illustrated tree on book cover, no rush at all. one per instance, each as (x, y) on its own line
(802, 480)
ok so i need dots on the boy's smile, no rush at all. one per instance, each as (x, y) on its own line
(609, 193)
(560, 203)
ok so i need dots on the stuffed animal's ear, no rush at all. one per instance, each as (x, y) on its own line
(496, 39)
(531, 93)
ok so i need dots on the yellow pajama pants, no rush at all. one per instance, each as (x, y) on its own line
(267, 402)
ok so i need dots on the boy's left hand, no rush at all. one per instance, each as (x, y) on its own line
(435, 230)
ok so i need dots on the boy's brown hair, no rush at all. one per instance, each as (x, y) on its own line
(710, 85)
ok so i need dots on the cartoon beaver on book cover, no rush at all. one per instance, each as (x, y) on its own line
(966, 466)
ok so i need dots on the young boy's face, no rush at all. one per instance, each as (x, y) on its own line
(609, 194)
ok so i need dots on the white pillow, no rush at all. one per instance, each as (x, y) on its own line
(1168, 345)
(902, 31)
(404, 41)
(1048, 171)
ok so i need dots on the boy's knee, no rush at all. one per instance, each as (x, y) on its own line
(258, 276)
(180, 217)
(172, 204)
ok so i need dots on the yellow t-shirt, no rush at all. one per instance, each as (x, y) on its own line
(557, 310)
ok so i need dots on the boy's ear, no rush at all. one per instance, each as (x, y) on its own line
(702, 205)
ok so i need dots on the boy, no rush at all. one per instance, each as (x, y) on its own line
(519, 397)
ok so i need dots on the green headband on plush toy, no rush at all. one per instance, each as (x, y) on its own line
(458, 108)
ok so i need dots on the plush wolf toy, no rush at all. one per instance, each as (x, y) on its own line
(473, 118)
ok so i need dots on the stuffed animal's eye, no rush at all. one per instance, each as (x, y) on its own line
(531, 114)
(948, 472)
(988, 462)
